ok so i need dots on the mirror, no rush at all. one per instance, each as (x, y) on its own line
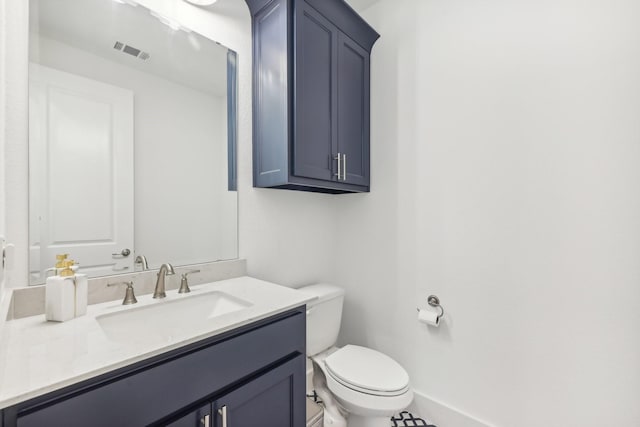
(132, 134)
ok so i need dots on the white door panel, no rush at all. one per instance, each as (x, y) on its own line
(81, 160)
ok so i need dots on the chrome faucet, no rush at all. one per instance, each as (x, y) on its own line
(141, 259)
(165, 270)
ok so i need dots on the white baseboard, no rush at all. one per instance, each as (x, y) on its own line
(441, 414)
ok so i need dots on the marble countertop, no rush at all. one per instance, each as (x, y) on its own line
(37, 357)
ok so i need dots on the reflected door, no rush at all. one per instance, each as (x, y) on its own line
(81, 173)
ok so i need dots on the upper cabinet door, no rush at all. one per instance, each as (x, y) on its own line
(315, 142)
(353, 111)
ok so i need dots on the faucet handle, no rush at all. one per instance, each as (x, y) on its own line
(129, 296)
(184, 283)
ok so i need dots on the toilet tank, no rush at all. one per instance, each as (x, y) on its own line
(324, 315)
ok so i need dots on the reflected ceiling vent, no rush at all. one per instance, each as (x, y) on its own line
(125, 48)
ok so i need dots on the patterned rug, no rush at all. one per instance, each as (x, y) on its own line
(407, 419)
(403, 419)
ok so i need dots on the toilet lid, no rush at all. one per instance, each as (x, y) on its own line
(367, 370)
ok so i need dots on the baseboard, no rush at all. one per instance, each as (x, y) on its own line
(441, 414)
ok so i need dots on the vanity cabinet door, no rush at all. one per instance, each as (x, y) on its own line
(274, 399)
(198, 418)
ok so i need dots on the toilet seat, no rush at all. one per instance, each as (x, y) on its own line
(367, 371)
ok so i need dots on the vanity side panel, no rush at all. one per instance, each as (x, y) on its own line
(144, 396)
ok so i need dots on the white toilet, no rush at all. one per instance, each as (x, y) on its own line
(356, 383)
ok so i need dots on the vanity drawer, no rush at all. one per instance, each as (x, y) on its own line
(145, 394)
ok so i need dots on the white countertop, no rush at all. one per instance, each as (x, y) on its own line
(37, 357)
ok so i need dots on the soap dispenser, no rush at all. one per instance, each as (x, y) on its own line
(60, 293)
(66, 293)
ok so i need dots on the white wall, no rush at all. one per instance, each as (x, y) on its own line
(505, 153)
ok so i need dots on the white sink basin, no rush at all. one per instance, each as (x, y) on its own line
(169, 319)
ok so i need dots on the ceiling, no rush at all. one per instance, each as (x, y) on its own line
(95, 25)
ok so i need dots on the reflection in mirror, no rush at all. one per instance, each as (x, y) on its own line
(131, 140)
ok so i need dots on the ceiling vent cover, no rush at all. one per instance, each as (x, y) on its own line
(130, 50)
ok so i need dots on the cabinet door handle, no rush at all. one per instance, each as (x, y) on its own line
(339, 159)
(344, 165)
(223, 415)
(206, 421)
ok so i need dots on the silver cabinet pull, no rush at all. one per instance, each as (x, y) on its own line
(339, 159)
(223, 414)
(123, 254)
(120, 269)
(344, 165)
(206, 421)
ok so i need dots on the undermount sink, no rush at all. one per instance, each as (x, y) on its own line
(169, 319)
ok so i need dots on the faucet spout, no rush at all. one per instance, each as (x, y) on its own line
(141, 259)
(165, 270)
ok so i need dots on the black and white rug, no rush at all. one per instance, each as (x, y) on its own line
(407, 419)
(403, 419)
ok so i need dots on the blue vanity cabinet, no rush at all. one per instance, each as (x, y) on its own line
(268, 400)
(254, 366)
(311, 85)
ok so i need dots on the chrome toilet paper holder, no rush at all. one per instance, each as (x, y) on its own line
(434, 301)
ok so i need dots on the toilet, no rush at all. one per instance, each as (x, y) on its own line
(360, 387)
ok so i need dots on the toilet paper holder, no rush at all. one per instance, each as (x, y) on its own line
(434, 301)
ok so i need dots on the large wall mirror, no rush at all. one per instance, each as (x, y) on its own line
(132, 134)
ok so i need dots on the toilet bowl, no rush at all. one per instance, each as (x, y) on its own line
(364, 386)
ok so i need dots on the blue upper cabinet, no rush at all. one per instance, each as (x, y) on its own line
(310, 95)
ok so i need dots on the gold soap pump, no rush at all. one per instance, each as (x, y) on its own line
(61, 260)
(66, 269)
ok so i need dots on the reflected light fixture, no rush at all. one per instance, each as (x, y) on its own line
(171, 23)
(129, 2)
(202, 2)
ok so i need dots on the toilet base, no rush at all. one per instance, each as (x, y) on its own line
(359, 421)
